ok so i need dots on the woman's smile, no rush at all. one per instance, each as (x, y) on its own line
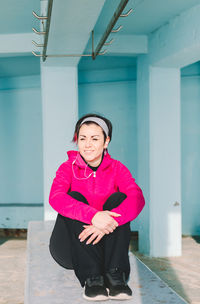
(91, 143)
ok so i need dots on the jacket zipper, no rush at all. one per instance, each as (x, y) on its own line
(94, 175)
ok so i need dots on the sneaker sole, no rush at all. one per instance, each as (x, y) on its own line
(97, 298)
(121, 296)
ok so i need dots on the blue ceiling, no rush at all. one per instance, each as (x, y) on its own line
(148, 15)
(16, 16)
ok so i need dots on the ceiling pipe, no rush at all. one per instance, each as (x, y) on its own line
(68, 55)
(50, 4)
(110, 26)
(96, 52)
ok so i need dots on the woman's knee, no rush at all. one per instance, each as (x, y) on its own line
(114, 200)
(78, 196)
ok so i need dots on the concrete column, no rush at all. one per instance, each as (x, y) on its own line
(143, 149)
(60, 113)
(165, 162)
(159, 163)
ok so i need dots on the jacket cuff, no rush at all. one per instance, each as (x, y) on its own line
(119, 220)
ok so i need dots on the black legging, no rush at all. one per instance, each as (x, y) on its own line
(88, 260)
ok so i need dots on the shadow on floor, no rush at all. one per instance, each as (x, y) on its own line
(3, 240)
(161, 266)
(196, 238)
(8, 234)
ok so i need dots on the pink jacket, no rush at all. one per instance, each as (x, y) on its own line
(110, 177)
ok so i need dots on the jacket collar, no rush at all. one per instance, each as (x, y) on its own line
(75, 156)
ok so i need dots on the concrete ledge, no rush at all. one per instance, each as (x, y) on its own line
(49, 283)
(18, 216)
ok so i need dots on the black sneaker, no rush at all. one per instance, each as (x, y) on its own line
(95, 289)
(116, 283)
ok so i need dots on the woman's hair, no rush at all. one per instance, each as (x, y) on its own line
(78, 125)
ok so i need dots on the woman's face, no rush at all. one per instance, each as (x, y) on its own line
(91, 143)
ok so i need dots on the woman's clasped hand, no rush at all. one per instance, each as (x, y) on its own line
(102, 223)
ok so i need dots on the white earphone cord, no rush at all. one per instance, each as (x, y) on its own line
(80, 178)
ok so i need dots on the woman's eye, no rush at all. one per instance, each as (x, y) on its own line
(92, 139)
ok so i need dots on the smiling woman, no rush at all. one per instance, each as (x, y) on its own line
(91, 143)
(96, 197)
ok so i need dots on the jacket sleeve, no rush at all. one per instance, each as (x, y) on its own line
(134, 203)
(63, 203)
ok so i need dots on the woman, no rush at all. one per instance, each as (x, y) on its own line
(96, 197)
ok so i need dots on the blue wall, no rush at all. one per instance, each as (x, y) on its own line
(21, 174)
(112, 92)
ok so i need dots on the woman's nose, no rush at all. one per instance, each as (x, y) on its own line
(88, 143)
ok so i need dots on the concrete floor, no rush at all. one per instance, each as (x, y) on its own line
(12, 270)
(180, 273)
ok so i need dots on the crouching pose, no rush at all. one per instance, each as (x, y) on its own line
(96, 197)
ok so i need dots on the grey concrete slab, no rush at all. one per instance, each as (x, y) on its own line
(17, 215)
(47, 282)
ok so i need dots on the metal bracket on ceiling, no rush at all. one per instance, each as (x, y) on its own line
(117, 29)
(37, 44)
(39, 17)
(109, 29)
(127, 14)
(102, 42)
(46, 32)
(68, 55)
(110, 42)
(37, 32)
